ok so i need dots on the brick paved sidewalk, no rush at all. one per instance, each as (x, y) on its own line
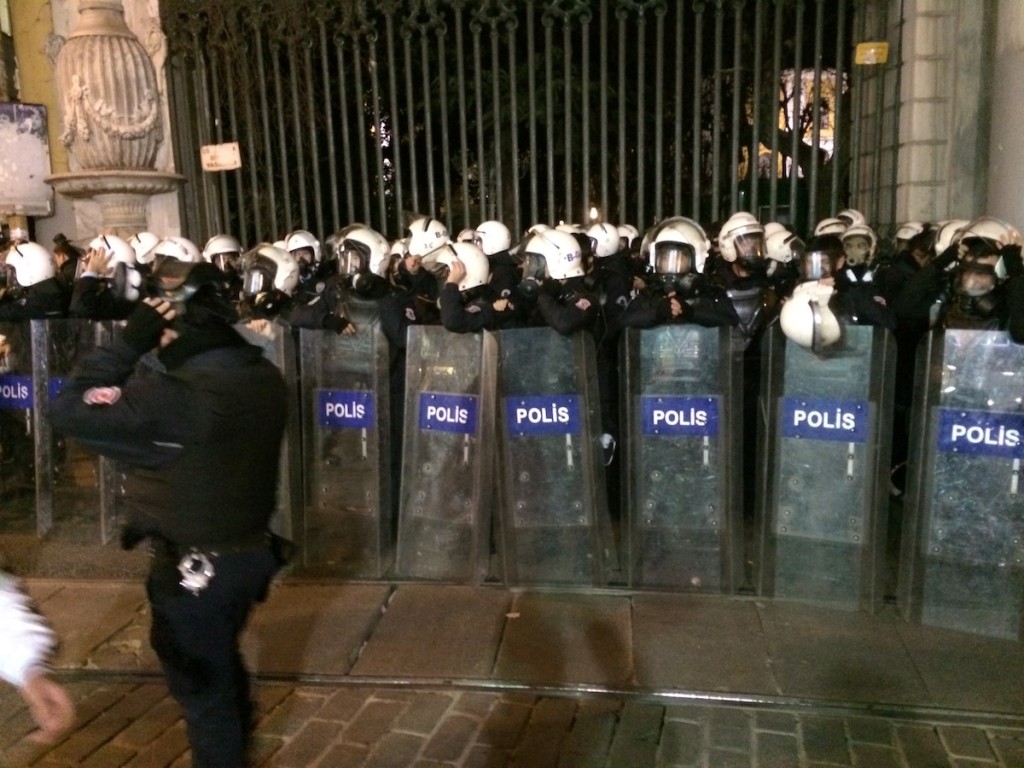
(134, 724)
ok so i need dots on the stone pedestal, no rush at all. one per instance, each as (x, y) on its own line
(123, 196)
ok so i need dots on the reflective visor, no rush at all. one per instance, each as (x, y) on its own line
(815, 265)
(673, 258)
(534, 265)
(259, 276)
(749, 246)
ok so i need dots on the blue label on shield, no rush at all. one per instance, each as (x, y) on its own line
(543, 415)
(15, 392)
(448, 413)
(981, 432)
(342, 409)
(676, 415)
(825, 419)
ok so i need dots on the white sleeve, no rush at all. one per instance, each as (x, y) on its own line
(25, 639)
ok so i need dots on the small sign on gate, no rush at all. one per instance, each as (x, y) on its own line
(220, 157)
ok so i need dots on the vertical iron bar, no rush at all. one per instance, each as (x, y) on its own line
(490, 209)
(878, 118)
(328, 110)
(549, 105)
(567, 113)
(819, 32)
(514, 130)
(460, 75)
(716, 116)
(282, 144)
(204, 201)
(446, 160)
(478, 92)
(395, 126)
(377, 135)
(587, 197)
(638, 196)
(754, 162)
(677, 142)
(268, 152)
(428, 124)
(603, 110)
(346, 138)
(410, 102)
(237, 223)
(623, 214)
(897, 66)
(219, 214)
(251, 136)
(838, 156)
(659, 118)
(290, 177)
(737, 85)
(531, 75)
(360, 126)
(698, 88)
(773, 116)
(859, 86)
(797, 137)
(314, 146)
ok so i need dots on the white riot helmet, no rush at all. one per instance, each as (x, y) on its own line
(830, 226)
(604, 239)
(426, 234)
(267, 268)
(783, 246)
(741, 239)
(143, 244)
(948, 234)
(676, 246)
(27, 264)
(359, 248)
(906, 231)
(302, 243)
(224, 252)
(627, 236)
(120, 250)
(859, 244)
(552, 254)
(852, 217)
(772, 227)
(493, 237)
(478, 270)
(122, 272)
(987, 234)
(571, 227)
(806, 318)
(178, 248)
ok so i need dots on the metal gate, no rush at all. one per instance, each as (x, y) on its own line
(529, 111)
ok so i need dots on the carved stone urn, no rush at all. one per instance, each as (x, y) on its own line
(111, 121)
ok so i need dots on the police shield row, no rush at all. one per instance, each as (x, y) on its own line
(662, 299)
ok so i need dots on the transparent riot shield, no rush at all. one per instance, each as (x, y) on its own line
(555, 525)
(17, 432)
(76, 498)
(683, 519)
(821, 516)
(962, 559)
(347, 526)
(447, 489)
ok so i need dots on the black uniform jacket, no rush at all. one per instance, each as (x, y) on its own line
(202, 441)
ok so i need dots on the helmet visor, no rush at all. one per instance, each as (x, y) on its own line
(815, 265)
(227, 262)
(749, 247)
(534, 265)
(672, 258)
(352, 256)
(259, 276)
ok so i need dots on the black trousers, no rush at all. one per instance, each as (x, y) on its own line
(196, 639)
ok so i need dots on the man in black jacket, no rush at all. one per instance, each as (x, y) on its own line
(200, 431)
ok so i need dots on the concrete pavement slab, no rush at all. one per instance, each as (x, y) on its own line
(843, 656)
(965, 671)
(85, 615)
(310, 629)
(437, 632)
(700, 643)
(565, 638)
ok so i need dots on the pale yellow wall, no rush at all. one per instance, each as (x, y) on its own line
(32, 25)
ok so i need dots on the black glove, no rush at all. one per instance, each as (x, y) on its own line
(1012, 260)
(144, 327)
